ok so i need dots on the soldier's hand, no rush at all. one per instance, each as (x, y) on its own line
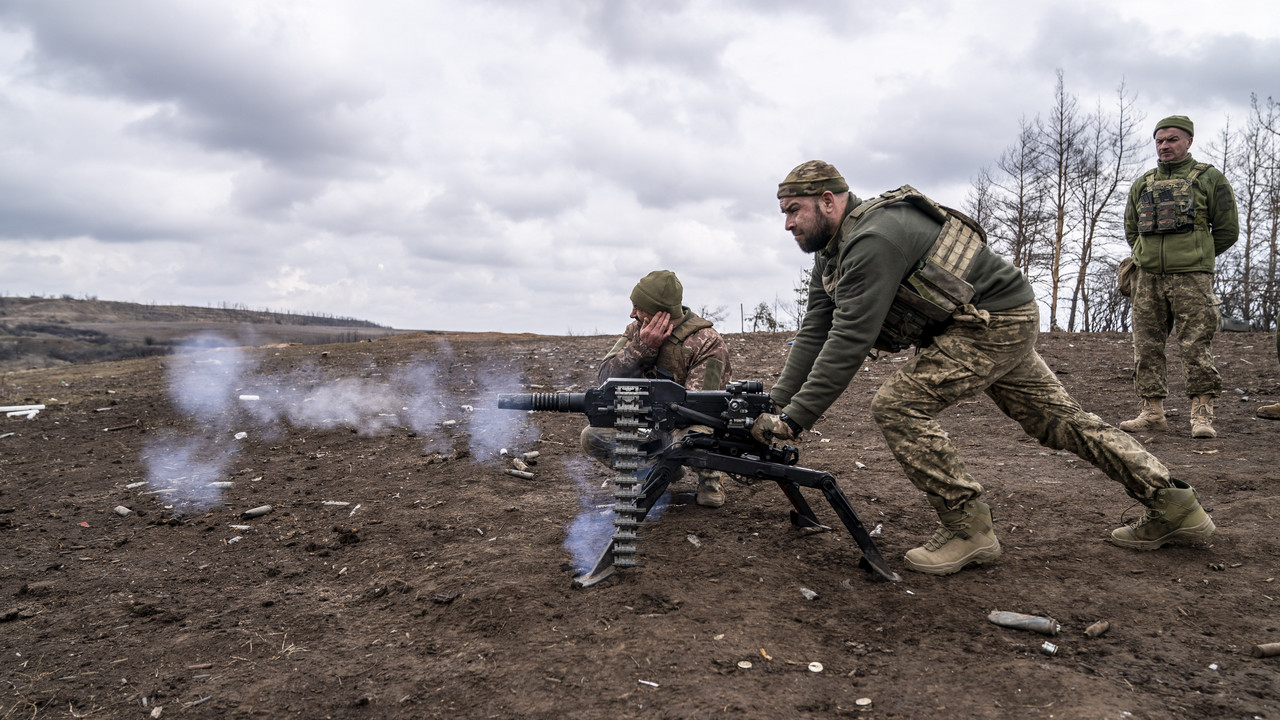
(657, 330)
(768, 427)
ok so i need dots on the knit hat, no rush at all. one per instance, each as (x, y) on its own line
(1182, 122)
(659, 291)
(812, 178)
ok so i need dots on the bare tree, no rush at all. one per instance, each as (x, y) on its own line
(1109, 310)
(978, 204)
(713, 314)
(1060, 138)
(1011, 203)
(1245, 281)
(1107, 158)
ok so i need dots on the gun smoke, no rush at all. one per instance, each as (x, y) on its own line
(589, 531)
(229, 400)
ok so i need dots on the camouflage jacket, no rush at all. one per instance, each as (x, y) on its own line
(694, 354)
(1217, 225)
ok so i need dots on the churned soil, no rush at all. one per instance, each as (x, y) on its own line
(403, 573)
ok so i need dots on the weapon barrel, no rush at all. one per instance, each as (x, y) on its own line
(554, 402)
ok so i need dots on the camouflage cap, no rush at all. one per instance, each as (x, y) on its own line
(659, 291)
(1182, 122)
(812, 178)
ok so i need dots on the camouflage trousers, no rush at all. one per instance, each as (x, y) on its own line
(1185, 306)
(994, 352)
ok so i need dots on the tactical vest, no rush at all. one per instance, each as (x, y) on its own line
(928, 296)
(671, 355)
(1169, 206)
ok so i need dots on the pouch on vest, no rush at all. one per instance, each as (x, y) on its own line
(908, 322)
(1169, 206)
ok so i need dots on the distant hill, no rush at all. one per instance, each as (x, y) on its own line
(44, 332)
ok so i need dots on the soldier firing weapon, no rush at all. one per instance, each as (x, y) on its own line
(631, 406)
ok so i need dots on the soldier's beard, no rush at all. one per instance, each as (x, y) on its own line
(817, 237)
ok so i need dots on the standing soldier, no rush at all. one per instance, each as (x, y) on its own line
(900, 270)
(667, 340)
(1180, 216)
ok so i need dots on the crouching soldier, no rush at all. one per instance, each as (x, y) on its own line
(666, 341)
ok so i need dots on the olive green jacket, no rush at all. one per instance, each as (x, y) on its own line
(1217, 225)
(864, 263)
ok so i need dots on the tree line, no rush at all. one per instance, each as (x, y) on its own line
(1053, 204)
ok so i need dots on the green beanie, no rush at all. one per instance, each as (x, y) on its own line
(1182, 122)
(658, 291)
(812, 178)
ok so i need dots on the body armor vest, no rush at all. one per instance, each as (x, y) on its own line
(928, 296)
(671, 354)
(1169, 206)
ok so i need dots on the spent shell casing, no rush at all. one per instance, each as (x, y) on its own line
(519, 464)
(520, 474)
(1097, 629)
(1266, 650)
(1034, 623)
(531, 455)
(1049, 648)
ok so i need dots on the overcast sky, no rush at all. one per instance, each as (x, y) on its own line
(517, 165)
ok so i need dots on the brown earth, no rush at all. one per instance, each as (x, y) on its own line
(443, 587)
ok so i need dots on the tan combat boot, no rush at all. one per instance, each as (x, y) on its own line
(966, 537)
(1150, 419)
(710, 488)
(1269, 412)
(1175, 514)
(1202, 417)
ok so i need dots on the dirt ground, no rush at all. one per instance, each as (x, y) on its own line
(440, 586)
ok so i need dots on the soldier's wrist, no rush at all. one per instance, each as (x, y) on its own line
(795, 426)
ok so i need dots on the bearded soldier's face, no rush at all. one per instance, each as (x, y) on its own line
(807, 223)
(640, 316)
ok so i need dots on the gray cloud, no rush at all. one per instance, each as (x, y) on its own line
(504, 165)
(208, 80)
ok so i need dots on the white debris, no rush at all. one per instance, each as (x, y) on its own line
(13, 411)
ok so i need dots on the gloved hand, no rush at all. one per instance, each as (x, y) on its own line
(768, 427)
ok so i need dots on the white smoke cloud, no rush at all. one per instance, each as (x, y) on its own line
(223, 392)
